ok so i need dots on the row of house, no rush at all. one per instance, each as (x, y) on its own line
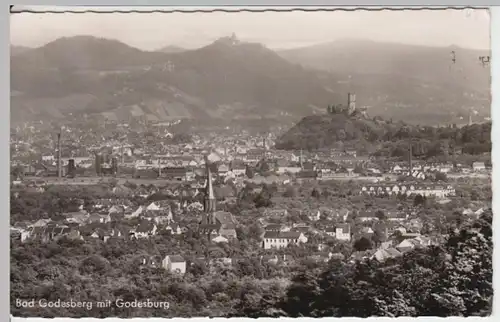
(427, 190)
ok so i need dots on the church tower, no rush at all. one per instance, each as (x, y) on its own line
(209, 201)
(208, 223)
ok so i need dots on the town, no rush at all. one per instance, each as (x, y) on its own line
(175, 185)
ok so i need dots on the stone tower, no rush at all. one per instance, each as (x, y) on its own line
(351, 103)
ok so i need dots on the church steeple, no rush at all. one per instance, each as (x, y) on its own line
(209, 200)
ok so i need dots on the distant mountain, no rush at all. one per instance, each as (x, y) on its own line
(85, 52)
(430, 64)
(226, 79)
(171, 49)
(229, 79)
(16, 50)
(398, 79)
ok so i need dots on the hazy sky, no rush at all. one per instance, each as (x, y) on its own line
(151, 31)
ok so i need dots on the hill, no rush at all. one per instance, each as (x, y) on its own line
(429, 64)
(228, 78)
(384, 137)
(399, 78)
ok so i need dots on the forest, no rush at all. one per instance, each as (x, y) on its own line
(380, 137)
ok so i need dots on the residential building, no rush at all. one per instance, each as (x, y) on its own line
(282, 239)
(343, 232)
(174, 264)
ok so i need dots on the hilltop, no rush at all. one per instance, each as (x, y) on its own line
(90, 75)
(171, 49)
(384, 137)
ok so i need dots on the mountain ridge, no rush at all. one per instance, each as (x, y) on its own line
(228, 78)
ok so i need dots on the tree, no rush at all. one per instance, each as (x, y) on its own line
(380, 214)
(363, 244)
(249, 172)
(440, 176)
(290, 192)
(419, 200)
(315, 193)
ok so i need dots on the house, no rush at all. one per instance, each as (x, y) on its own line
(174, 264)
(136, 213)
(343, 232)
(99, 218)
(173, 229)
(145, 229)
(153, 207)
(305, 229)
(275, 213)
(397, 217)
(77, 218)
(41, 223)
(315, 216)
(105, 234)
(478, 166)
(223, 170)
(382, 255)
(330, 231)
(238, 168)
(366, 216)
(220, 239)
(282, 239)
(407, 245)
(47, 233)
(273, 227)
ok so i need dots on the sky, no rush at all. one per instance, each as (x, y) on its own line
(281, 30)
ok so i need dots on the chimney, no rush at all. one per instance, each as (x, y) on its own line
(59, 163)
(410, 157)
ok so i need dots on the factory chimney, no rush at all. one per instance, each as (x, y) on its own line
(59, 163)
(410, 157)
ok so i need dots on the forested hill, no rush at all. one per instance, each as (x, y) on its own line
(375, 135)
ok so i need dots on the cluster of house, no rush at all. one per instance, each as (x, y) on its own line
(399, 231)
(436, 190)
(149, 221)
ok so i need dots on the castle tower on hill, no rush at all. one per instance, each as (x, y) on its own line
(349, 109)
(351, 103)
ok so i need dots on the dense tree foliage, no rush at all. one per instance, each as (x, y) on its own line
(385, 138)
(454, 279)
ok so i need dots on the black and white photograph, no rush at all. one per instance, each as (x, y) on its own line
(231, 164)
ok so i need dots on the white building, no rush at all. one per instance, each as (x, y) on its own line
(174, 264)
(478, 166)
(343, 232)
(282, 239)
